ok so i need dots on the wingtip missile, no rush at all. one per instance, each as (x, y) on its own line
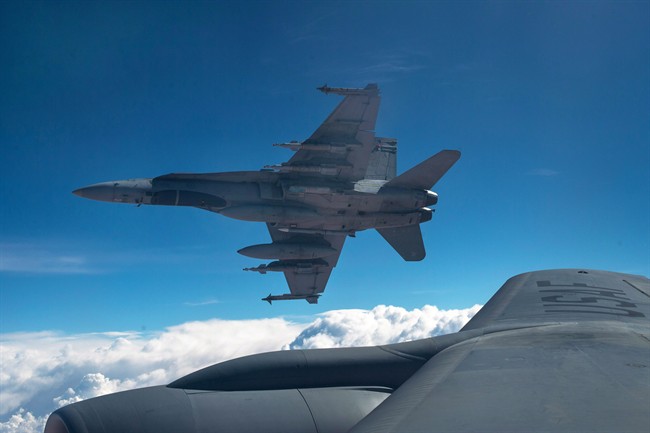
(262, 269)
(294, 145)
(312, 299)
(371, 88)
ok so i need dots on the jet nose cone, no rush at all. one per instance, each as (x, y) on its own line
(99, 191)
(79, 192)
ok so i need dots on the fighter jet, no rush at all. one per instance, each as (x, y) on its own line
(552, 351)
(340, 181)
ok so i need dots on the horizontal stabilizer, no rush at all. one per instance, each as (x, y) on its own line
(406, 240)
(427, 173)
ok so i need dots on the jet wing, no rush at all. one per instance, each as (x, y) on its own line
(561, 351)
(340, 148)
(307, 278)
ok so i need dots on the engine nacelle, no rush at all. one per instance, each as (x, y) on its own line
(425, 214)
(401, 198)
(162, 409)
(431, 198)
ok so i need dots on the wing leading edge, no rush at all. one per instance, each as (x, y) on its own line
(340, 148)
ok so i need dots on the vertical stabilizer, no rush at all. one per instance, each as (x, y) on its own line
(427, 173)
(382, 164)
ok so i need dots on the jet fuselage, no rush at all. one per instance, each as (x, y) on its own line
(293, 206)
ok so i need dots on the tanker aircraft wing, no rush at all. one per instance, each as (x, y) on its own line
(565, 350)
(306, 278)
(341, 146)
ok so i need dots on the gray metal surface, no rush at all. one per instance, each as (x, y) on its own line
(168, 410)
(567, 351)
(341, 180)
(568, 295)
(554, 351)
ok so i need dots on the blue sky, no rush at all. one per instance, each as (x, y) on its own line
(549, 103)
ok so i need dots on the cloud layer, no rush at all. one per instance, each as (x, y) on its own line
(46, 370)
(381, 325)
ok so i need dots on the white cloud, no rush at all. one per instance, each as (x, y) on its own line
(38, 367)
(381, 325)
(92, 385)
(42, 371)
(23, 422)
